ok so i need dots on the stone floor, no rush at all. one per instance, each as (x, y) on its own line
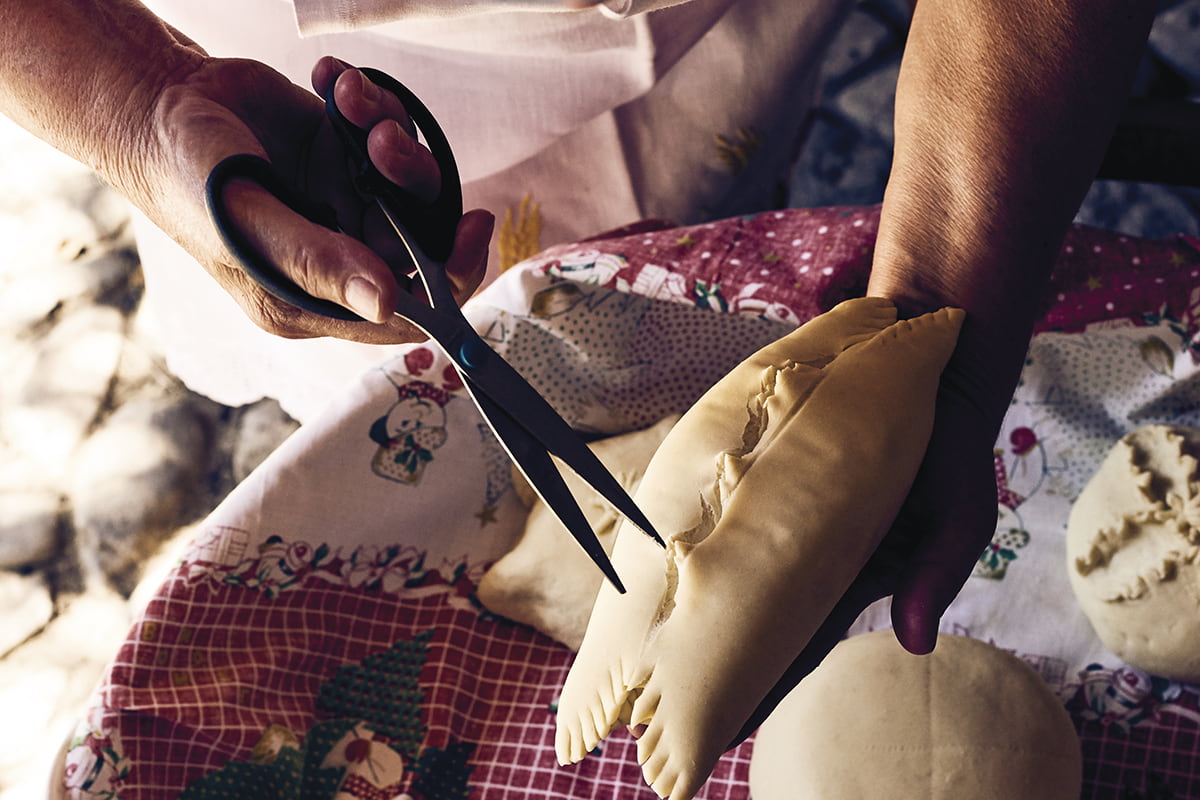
(106, 460)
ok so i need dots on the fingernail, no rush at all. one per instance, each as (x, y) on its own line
(370, 91)
(364, 299)
(403, 143)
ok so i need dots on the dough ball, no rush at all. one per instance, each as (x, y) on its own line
(1133, 539)
(967, 722)
(547, 581)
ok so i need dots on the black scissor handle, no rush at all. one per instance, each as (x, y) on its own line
(266, 274)
(432, 225)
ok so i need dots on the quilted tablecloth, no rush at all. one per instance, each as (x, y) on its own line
(321, 637)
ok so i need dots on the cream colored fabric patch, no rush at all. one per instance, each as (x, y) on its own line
(547, 581)
(874, 722)
(772, 492)
(1133, 541)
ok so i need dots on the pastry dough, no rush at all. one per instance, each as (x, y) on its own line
(547, 581)
(772, 492)
(874, 722)
(1133, 543)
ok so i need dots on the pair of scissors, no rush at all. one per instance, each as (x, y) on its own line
(525, 424)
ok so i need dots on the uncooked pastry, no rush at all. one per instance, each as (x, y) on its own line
(874, 722)
(1133, 539)
(772, 492)
(547, 581)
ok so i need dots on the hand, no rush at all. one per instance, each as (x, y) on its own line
(945, 523)
(976, 208)
(225, 107)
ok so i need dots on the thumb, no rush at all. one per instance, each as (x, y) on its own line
(940, 565)
(321, 263)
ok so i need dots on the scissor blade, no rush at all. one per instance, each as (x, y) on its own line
(487, 373)
(496, 378)
(539, 470)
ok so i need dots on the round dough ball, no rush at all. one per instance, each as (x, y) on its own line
(1133, 542)
(967, 722)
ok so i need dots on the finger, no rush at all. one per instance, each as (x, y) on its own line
(325, 72)
(323, 264)
(403, 160)
(391, 138)
(936, 573)
(467, 264)
(916, 615)
(931, 585)
(364, 104)
(943, 559)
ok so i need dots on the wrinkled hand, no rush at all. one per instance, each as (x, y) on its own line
(225, 107)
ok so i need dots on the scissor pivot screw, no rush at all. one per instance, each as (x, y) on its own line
(473, 352)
